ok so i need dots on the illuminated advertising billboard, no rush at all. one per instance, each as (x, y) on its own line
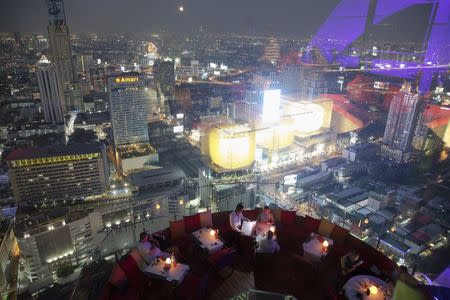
(178, 129)
(271, 106)
(290, 180)
(126, 79)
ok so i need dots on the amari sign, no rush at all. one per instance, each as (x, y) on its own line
(126, 79)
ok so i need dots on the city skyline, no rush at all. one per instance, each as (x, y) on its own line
(291, 19)
(305, 144)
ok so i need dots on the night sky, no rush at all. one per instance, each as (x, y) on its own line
(291, 18)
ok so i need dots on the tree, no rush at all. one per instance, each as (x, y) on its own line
(83, 136)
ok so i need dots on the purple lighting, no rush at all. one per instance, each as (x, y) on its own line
(345, 24)
(386, 8)
(348, 22)
(438, 43)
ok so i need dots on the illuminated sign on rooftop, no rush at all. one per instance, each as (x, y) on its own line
(126, 79)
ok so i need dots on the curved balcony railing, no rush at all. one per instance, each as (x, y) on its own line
(292, 231)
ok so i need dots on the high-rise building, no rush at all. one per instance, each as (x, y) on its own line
(195, 68)
(271, 52)
(421, 129)
(52, 97)
(129, 110)
(291, 78)
(164, 71)
(59, 44)
(314, 84)
(401, 124)
(55, 241)
(73, 95)
(58, 173)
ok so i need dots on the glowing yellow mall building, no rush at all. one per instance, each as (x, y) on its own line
(232, 147)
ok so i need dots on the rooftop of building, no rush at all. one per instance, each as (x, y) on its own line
(156, 175)
(362, 146)
(43, 218)
(333, 162)
(347, 202)
(348, 193)
(391, 241)
(136, 150)
(230, 274)
(92, 118)
(52, 151)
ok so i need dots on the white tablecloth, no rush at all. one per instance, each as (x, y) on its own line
(262, 228)
(361, 283)
(210, 243)
(312, 250)
(175, 274)
(247, 227)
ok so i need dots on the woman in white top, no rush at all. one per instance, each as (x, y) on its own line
(266, 216)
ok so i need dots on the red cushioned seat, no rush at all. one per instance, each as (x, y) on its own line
(311, 224)
(110, 292)
(221, 222)
(287, 217)
(292, 237)
(136, 278)
(252, 214)
(223, 258)
(192, 223)
(217, 257)
(183, 244)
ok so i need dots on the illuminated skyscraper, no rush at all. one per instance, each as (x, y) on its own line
(58, 173)
(400, 124)
(52, 97)
(291, 78)
(271, 52)
(59, 46)
(129, 109)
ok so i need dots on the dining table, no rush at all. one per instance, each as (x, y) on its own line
(314, 249)
(359, 288)
(208, 242)
(175, 274)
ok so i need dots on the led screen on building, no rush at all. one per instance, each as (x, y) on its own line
(271, 106)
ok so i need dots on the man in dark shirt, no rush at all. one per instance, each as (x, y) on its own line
(350, 262)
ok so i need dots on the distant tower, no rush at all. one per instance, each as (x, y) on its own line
(59, 45)
(52, 97)
(164, 71)
(271, 52)
(195, 68)
(400, 124)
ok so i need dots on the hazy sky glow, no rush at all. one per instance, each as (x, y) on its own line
(296, 18)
